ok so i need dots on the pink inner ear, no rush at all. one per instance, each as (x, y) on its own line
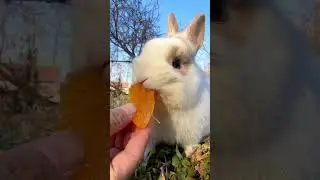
(198, 37)
(195, 31)
(173, 27)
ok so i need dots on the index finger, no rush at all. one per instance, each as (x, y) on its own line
(120, 117)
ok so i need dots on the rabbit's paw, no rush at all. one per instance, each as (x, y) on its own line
(190, 149)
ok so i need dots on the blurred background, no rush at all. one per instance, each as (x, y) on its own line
(35, 39)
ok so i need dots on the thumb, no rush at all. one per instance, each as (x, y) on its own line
(120, 117)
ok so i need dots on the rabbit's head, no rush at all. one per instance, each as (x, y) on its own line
(167, 64)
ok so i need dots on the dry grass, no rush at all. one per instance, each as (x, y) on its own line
(117, 98)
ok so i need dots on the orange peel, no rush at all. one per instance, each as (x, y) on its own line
(144, 100)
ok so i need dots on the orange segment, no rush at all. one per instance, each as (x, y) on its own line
(144, 99)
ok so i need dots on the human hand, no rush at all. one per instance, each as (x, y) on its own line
(127, 143)
(57, 156)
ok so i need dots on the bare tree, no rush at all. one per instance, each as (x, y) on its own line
(132, 23)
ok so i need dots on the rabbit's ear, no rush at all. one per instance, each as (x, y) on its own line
(173, 27)
(195, 30)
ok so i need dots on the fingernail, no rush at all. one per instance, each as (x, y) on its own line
(129, 108)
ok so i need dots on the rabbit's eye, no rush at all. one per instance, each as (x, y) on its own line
(176, 63)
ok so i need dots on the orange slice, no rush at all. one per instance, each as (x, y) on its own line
(144, 99)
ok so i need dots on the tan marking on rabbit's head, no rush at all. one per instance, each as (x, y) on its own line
(193, 34)
(167, 63)
(183, 53)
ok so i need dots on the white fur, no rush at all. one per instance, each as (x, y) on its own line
(184, 108)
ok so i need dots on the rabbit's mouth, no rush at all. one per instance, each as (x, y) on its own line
(143, 82)
(148, 84)
(158, 97)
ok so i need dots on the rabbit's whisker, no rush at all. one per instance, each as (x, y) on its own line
(155, 119)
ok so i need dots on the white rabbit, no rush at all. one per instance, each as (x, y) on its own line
(183, 105)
